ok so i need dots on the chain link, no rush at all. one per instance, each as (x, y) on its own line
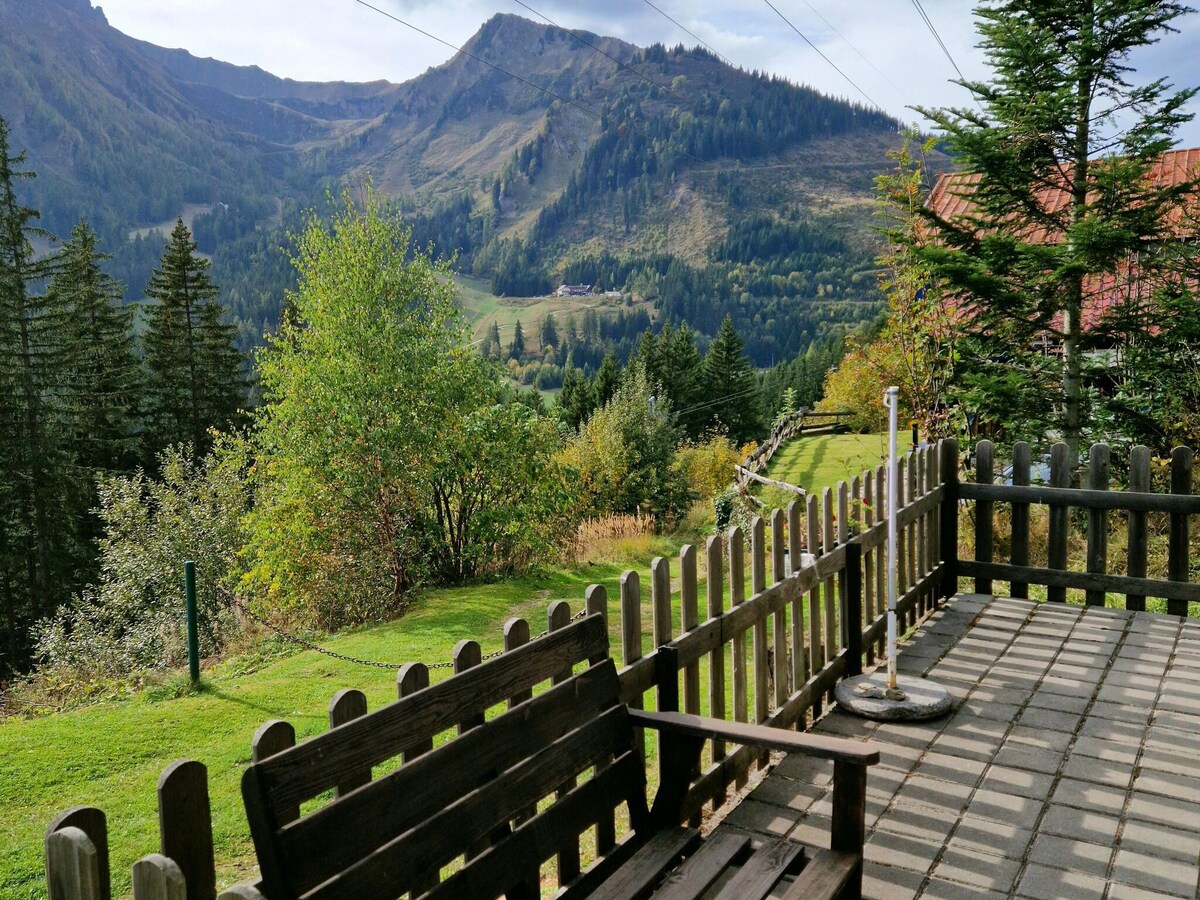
(244, 608)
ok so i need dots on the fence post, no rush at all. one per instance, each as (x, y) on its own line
(1020, 516)
(185, 825)
(193, 628)
(852, 614)
(1177, 556)
(1097, 540)
(72, 865)
(984, 522)
(948, 464)
(1056, 554)
(92, 822)
(156, 877)
(1139, 481)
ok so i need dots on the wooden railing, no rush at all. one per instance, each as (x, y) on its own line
(1137, 503)
(803, 421)
(771, 655)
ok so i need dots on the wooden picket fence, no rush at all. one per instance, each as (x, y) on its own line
(803, 421)
(1098, 501)
(772, 657)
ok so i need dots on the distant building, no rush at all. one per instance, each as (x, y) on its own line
(574, 290)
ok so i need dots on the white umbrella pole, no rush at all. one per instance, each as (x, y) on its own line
(890, 399)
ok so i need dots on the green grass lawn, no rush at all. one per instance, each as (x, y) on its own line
(820, 461)
(110, 755)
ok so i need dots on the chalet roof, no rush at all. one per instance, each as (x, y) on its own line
(951, 195)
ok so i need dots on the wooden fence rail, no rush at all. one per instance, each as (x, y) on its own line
(1097, 501)
(771, 654)
(802, 421)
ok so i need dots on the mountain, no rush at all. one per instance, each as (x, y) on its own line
(705, 189)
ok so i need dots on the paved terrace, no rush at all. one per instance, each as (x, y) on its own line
(1069, 767)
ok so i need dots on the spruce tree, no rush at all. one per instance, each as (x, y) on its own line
(575, 402)
(494, 348)
(101, 371)
(193, 372)
(608, 377)
(549, 332)
(1059, 117)
(730, 386)
(36, 536)
(516, 349)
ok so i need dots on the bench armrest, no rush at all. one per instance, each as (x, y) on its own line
(863, 753)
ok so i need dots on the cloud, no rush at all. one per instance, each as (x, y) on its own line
(343, 40)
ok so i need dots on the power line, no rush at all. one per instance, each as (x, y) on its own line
(822, 55)
(628, 68)
(708, 46)
(937, 37)
(846, 41)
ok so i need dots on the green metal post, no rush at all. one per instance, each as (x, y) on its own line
(193, 636)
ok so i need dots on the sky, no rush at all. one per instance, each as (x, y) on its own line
(885, 52)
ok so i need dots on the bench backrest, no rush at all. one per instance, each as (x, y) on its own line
(475, 795)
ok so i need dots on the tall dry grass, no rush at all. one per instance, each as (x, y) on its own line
(614, 536)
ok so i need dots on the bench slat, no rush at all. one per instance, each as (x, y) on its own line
(311, 848)
(314, 766)
(824, 876)
(437, 840)
(638, 877)
(702, 870)
(762, 871)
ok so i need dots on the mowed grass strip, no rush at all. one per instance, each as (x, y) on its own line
(815, 462)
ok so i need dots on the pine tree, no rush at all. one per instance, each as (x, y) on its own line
(194, 378)
(549, 332)
(1058, 116)
(679, 366)
(730, 384)
(101, 369)
(608, 376)
(36, 537)
(575, 401)
(495, 348)
(516, 349)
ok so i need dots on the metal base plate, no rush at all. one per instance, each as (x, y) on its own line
(864, 695)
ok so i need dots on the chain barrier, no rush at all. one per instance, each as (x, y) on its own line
(243, 608)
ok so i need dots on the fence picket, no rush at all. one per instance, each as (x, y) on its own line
(1138, 549)
(1020, 516)
(155, 877)
(1097, 533)
(93, 823)
(631, 638)
(185, 825)
(345, 706)
(1056, 556)
(714, 590)
(72, 865)
(779, 639)
(758, 584)
(948, 519)
(797, 612)
(816, 643)
(689, 618)
(1177, 554)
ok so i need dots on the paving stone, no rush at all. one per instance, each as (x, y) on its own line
(1034, 717)
(997, 838)
(794, 795)
(1167, 784)
(896, 756)
(1155, 840)
(980, 870)
(1052, 741)
(956, 769)
(903, 851)
(936, 794)
(763, 818)
(1170, 877)
(1112, 730)
(1043, 883)
(1003, 807)
(1069, 853)
(1126, 696)
(1160, 810)
(1083, 795)
(799, 767)
(1137, 715)
(1018, 782)
(1046, 698)
(998, 712)
(882, 882)
(1097, 771)
(1109, 751)
(1016, 755)
(813, 831)
(912, 820)
(1128, 892)
(1082, 825)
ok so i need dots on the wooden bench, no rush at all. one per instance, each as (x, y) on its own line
(479, 815)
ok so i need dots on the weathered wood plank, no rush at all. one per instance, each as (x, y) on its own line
(849, 809)
(72, 866)
(825, 876)
(93, 823)
(1175, 504)
(1138, 546)
(816, 641)
(689, 618)
(714, 588)
(639, 876)
(779, 637)
(984, 520)
(1182, 592)
(758, 584)
(829, 600)
(155, 877)
(1022, 465)
(737, 596)
(348, 704)
(185, 825)
(1097, 536)
(703, 868)
(794, 532)
(948, 518)
(762, 871)
(1177, 549)
(1056, 555)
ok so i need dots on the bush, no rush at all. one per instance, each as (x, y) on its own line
(707, 466)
